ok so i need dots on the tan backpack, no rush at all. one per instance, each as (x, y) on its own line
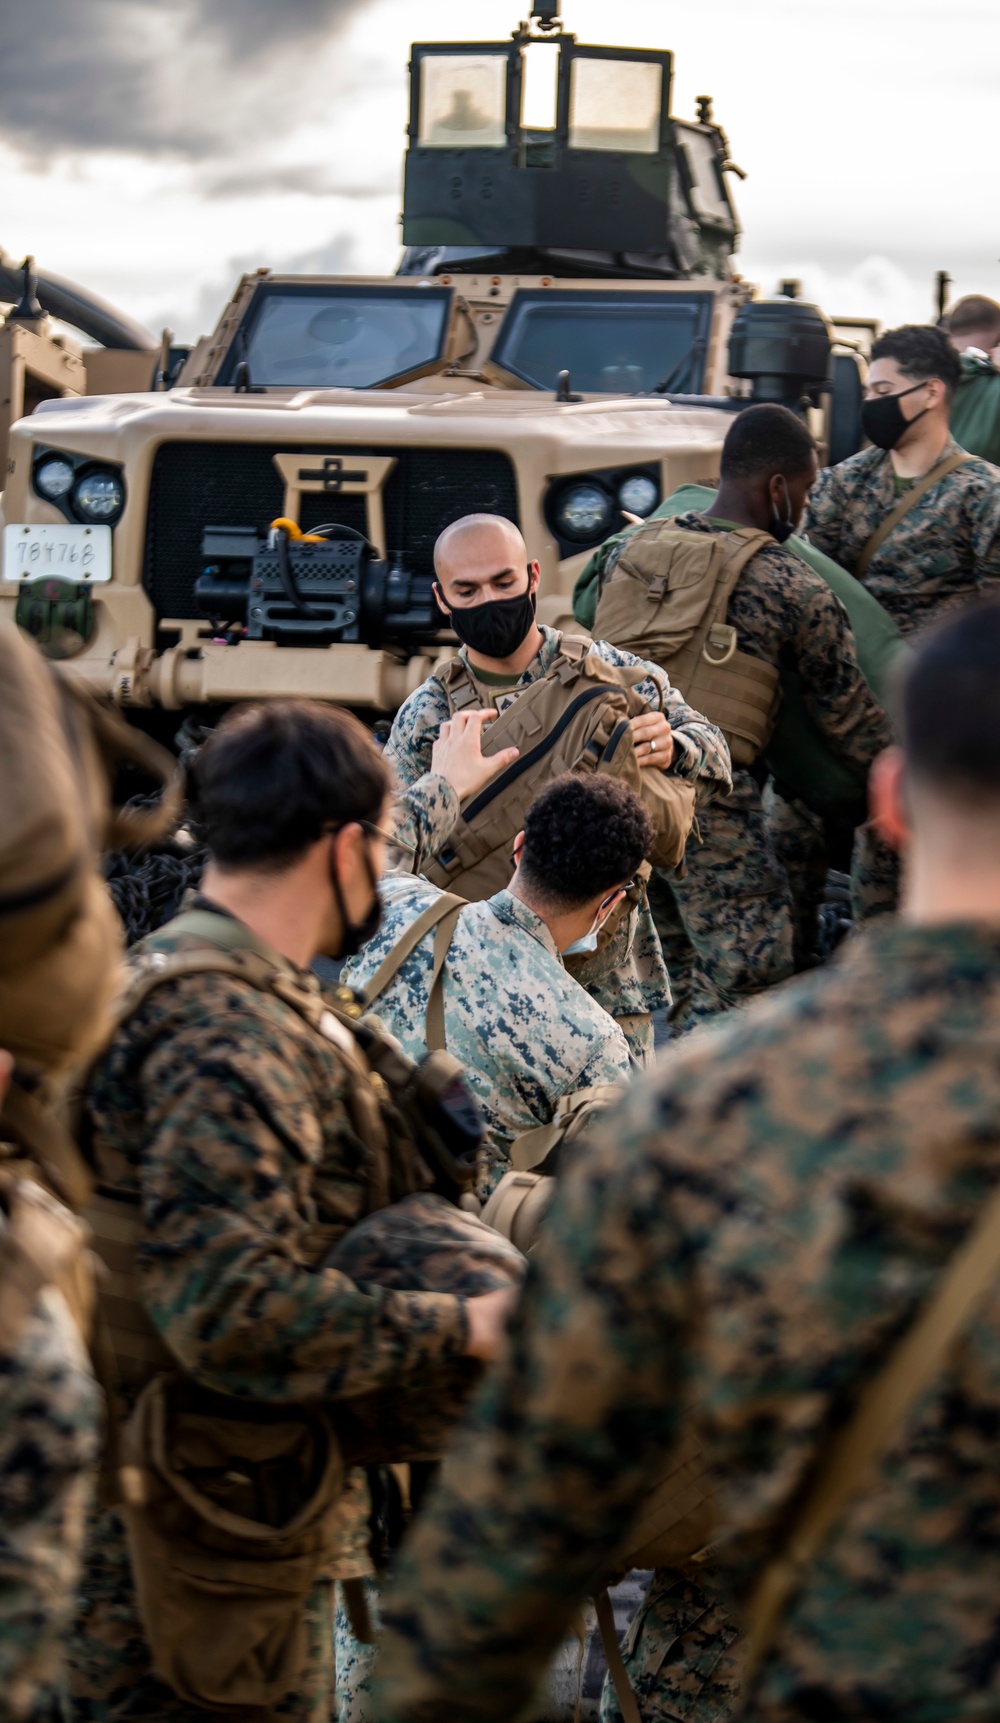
(575, 718)
(667, 599)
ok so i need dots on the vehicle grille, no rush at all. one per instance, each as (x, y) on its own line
(195, 485)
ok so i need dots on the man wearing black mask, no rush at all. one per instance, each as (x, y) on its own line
(914, 517)
(487, 587)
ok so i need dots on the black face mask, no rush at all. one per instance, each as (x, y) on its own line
(782, 526)
(883, 420)
(355, 934)
(498, 628)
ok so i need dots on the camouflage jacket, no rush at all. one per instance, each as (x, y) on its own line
(524, 1029)
(424, 814)
(750, 1234)
(50, 1423)
(228, 1118)
(786, 614)
(945, 552)
(629, 977)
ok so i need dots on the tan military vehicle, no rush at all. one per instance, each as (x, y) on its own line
(565, 343)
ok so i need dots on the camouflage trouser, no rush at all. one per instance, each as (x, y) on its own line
(355, 1661)
(681, 1651)
(874, 876)
(110, 1672)
(726, 929)
(800, 845)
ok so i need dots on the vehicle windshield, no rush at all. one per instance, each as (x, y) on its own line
(610, 343)
(345, 338)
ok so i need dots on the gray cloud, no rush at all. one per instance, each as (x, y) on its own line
(334, 256)
(149, 76)
(303, 179)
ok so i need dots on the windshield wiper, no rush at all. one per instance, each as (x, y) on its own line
(695, 351)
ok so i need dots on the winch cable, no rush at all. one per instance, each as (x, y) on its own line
(285, 530)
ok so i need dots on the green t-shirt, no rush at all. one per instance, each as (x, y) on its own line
(497, 678)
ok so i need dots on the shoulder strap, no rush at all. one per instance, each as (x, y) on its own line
(530, 1150)
(460, 690)
(443, 915)
(38, 1130)
(904, 505)
(715, 639)
(875, 1426)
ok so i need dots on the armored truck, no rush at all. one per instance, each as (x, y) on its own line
(564, 344)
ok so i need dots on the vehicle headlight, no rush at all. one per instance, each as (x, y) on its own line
(99, 496)
(584, 512)
(53, 477)
(639, 495)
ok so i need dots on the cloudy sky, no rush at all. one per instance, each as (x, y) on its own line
(152, 149)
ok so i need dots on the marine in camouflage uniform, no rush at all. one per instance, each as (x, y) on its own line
(50, 1421)
(525, 1031)
(726, 928)
(226, 1118)
(751, 1234)
(942, 555)
(628, 978)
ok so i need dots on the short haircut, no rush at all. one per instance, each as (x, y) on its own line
(584, 834)
(274, 776)
(469, 526)
(950, 708)
(974, 315)
(766, 440)
(921, 353)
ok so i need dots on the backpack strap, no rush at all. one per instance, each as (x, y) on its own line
(530, 1151)
(877, 1423)
(904, 505)
(442, 915)
(37, 1129)
(715, 639)
(459, 686)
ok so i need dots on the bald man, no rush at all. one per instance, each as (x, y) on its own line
(487, 586)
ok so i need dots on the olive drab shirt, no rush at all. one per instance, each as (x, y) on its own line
(749, 1233)
(943, 554)
(625, 979)
(526, 1032)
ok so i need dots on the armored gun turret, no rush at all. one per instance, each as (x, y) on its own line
(542, 155)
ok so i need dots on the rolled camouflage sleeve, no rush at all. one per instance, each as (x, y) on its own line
(232, 1131)
(548, 1472)
(824, 513)
(414, 732)
(425, 817)
(833, 687)
(700, 749)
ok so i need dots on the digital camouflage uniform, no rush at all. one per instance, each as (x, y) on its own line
(727, 927)
(226, 1117)
(943, 554)
(629, 980)
(525, 1031)
(50, 1424)
(751, 1234)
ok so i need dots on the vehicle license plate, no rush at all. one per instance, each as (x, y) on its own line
(67, 552)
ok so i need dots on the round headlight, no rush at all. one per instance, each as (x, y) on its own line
(53, 477)
(584, 513)
(99, 496)
(639, 495)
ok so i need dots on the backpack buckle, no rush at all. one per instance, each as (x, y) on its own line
(722, 640)
(657, 588)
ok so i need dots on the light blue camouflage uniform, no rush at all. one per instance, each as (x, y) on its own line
(525, 1030)
(629, 977)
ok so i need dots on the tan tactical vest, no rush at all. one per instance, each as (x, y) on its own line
(667, 599)
(575, 718)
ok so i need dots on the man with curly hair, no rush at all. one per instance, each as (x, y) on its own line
(527, 1033)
